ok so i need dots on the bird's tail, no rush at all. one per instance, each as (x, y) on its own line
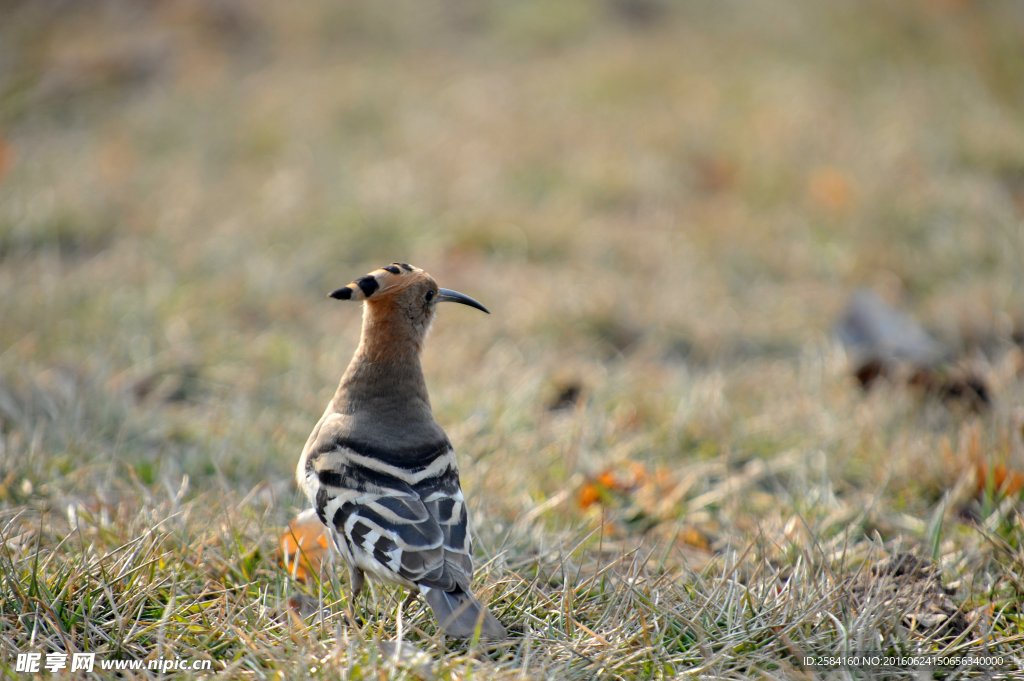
(459, 614)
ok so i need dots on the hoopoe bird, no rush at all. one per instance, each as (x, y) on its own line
(379, 469)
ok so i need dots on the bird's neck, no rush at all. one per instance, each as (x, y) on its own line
(385, 372)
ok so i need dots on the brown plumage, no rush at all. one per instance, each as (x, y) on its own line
(379, 469)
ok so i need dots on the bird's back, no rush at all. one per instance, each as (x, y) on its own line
(380, 470)
(391, 492)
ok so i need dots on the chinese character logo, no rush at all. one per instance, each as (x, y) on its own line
(82, 662)
(28, 662)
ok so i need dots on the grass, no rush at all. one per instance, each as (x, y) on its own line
(665, 206)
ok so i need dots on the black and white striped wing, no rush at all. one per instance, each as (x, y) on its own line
(402, 523)
(445, 503)
(391, 536)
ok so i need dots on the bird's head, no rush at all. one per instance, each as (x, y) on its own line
(403, 295)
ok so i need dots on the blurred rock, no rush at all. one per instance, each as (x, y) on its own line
(877, 336)
(884, 342)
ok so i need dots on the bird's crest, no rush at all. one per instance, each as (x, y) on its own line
(391, 278)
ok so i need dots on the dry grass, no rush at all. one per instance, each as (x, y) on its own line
(665, 207)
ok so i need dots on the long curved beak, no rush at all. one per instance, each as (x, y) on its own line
(446, 295)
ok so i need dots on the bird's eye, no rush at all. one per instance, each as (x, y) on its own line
(430, 296)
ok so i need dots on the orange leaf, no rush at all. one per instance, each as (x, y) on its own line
(589, 494)
(616, 482)
(304, 545)
(607, 478)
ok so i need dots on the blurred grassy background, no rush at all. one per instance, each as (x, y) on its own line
(665, 206)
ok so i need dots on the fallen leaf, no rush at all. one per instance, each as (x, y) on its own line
(613, 483)
(589, 495)
(304, 546)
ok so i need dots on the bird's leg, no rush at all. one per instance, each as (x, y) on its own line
(357, 578)
(412, 598)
